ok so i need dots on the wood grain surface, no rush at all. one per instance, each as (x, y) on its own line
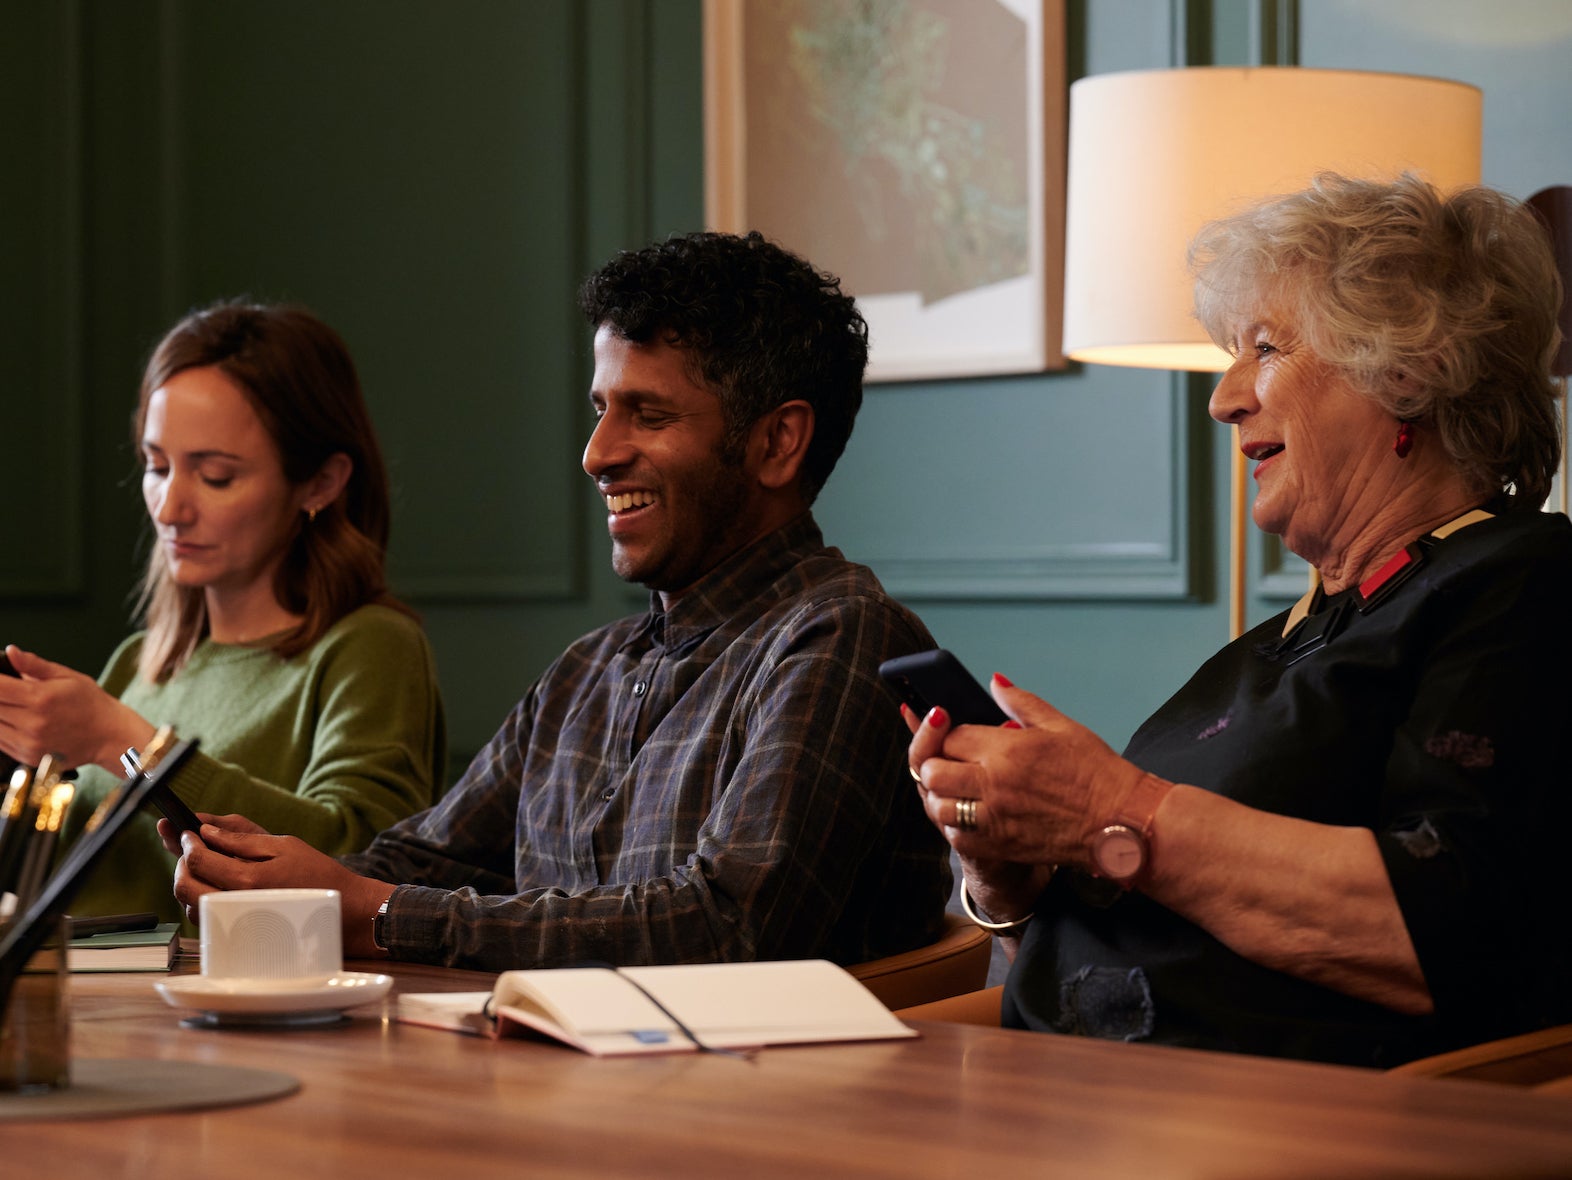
(381, 1099)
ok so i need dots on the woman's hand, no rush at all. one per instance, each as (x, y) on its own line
(53, 709)
(1036, 788)
(1002, 890)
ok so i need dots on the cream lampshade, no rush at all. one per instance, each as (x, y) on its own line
(1155, 154)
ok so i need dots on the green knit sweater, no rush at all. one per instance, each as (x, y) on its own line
(332, 746)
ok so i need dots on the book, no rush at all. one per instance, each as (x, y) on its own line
(133, 950)
(609, 1011)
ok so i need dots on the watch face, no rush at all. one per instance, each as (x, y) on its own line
(1119, 852)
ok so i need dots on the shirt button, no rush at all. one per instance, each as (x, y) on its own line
(640, 687)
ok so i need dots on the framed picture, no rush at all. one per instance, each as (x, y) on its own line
(914, 148)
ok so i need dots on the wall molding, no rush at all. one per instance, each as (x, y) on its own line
(1163, 569)
(55, 488)
(502, 466)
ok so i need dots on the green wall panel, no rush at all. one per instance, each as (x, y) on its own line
(402, 169)
(43, 526)
(1041, 519)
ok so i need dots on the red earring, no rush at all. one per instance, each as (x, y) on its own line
(1405, 439)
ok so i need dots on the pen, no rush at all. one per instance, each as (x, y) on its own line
(53, 796)
(137, 767)
(26, 932)
(16, 820)
(112, 924)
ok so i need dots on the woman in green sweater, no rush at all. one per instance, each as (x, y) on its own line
(270, 634)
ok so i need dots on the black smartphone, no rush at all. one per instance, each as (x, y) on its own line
(936, 677)
(163, 797)
(175, 811)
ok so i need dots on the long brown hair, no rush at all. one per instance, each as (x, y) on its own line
(297, 374)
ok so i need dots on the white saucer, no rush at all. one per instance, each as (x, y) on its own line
(228, 1001)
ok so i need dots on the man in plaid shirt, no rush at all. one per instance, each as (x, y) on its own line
(724, 776)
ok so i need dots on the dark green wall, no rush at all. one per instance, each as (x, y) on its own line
(435, 178)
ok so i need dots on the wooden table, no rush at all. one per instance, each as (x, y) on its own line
(381, 1099)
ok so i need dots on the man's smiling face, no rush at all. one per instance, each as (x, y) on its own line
(677, 503)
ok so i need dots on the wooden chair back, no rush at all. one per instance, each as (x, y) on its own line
(957, 963)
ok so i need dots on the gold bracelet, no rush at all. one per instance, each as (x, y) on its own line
(966, 905)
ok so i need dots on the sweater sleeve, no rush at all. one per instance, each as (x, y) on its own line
(466, 840)
(372, 715)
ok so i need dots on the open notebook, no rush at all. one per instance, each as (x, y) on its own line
(672, 1009)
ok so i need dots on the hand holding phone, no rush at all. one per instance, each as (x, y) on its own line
(929, 678)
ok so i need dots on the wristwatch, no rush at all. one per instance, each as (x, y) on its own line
(376, 924)
(138, 762)
(1122, 849)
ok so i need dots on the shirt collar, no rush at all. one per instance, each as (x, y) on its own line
(734, 583)
(1315, 597)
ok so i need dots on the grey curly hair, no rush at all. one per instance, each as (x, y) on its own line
(1440, 308)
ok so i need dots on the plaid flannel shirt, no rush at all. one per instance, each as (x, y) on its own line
(725, 780)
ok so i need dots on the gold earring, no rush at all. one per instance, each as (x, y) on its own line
(311, 516)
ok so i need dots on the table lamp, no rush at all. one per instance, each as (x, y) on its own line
(1154, 154)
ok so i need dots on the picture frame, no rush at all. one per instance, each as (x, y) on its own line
(913, 148)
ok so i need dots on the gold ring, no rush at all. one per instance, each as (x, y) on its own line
(915, 773)
(966, 815)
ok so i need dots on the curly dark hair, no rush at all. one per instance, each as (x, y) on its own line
(760, 325)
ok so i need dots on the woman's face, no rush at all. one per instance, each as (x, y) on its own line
(215, 487)
(1323, 451)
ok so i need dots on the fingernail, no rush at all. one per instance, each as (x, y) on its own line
(938, 717)
(1012, 723)
(1000, 677)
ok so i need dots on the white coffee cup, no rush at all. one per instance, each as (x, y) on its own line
(271, 936)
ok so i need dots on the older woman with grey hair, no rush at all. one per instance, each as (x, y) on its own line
(1334, 842)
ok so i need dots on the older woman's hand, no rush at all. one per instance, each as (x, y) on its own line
(1034, 793)
(1002, 889)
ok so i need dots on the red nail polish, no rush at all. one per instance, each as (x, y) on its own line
(999, 676)
(938, 717)
(1012, 723)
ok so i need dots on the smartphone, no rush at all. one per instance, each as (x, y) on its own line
(936, 677)
(163, 797)
(175, 811)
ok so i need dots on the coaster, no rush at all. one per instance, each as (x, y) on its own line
(106, 1087)
(265, 1020)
